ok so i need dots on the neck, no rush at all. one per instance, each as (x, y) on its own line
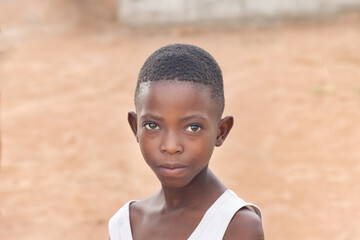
(204, 187)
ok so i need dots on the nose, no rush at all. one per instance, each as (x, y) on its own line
(171, 143)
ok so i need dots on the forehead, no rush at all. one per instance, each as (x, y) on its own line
(179, 97)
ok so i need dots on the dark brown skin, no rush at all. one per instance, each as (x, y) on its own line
(177, 127)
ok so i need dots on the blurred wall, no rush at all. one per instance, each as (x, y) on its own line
(163, 12)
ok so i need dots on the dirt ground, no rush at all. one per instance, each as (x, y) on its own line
(69, 159)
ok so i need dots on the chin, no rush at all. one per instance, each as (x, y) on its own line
(174, 183)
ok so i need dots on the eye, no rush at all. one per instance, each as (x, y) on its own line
(151, 126)
(193, 128)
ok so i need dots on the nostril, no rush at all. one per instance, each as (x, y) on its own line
(171, 149)
(170, 143)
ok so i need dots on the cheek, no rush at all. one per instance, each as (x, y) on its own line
(148, 145)
(202, 149)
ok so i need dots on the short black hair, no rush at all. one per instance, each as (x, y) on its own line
(184, 62)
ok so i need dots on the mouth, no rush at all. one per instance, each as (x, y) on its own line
(172, 169)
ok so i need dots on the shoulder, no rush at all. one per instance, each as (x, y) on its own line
(139, 209)
(245, 225)
(136, 209)
(141, 206)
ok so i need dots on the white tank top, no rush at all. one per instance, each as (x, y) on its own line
(211, 227)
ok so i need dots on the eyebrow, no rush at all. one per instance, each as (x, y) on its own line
(184, 119)
(193, 116)
(151, 116)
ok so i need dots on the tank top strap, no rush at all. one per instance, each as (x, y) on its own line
(119, 224)
(217, 218)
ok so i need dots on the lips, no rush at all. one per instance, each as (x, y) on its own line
(172, 169)
(171, 165)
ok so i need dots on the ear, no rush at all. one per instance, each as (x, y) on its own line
(225, 126)
(132, 119)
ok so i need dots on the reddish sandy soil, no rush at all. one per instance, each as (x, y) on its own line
(69, 159)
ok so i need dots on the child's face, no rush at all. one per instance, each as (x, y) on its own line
(177, 127)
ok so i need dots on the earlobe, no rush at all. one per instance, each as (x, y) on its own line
(132, 119)
(224, 128)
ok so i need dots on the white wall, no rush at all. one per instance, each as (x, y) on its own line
(163, 12)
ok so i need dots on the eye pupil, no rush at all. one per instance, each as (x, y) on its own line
(151, 126)
(194, 128)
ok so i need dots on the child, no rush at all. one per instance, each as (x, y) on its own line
(179, 101)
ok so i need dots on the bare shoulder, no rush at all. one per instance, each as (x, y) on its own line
(135, 208)
(140, 208)
(245, 225)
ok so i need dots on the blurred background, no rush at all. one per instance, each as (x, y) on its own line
(68, 71)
